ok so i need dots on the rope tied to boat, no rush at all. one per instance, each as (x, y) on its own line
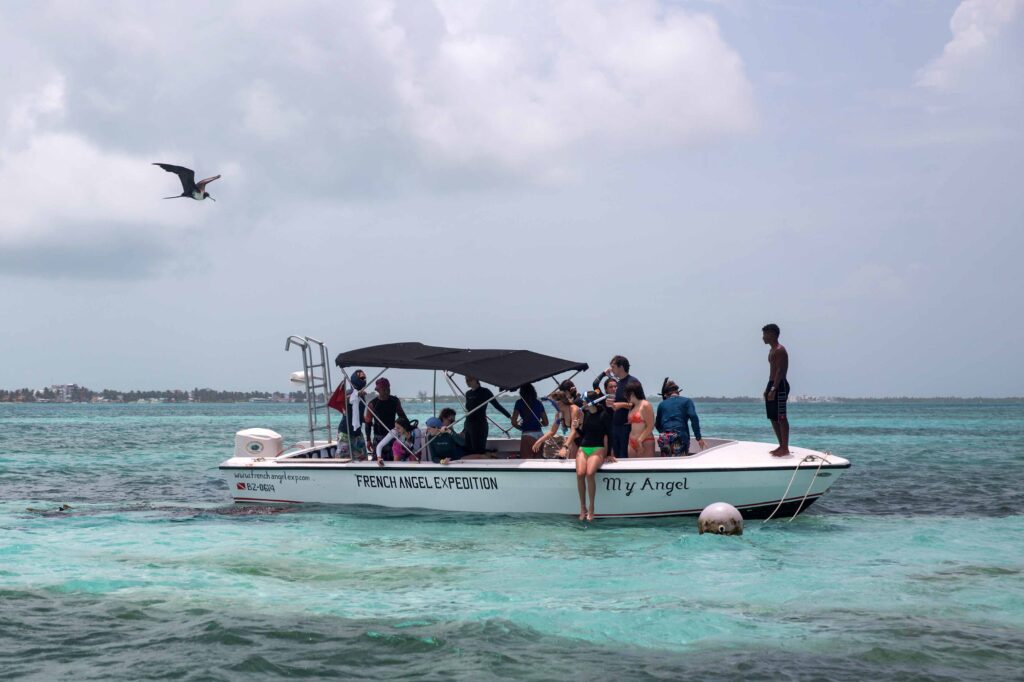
(822, 458)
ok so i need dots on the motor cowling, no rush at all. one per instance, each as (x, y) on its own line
(258, 443)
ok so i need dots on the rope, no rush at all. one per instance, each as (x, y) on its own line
(796, 469)
(809, 485)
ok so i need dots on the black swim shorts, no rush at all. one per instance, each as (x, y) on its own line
(776, 407)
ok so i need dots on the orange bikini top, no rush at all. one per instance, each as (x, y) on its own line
(636, 418)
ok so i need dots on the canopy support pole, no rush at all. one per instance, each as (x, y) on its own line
(381, 421)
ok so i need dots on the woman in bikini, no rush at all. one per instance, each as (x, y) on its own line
(568, 417)
(640, 419)
(593, 446)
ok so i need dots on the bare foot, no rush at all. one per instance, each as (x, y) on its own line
(590, 515)
(780, 453)
(583, 514)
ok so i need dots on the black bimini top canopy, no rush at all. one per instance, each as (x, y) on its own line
(506, 369)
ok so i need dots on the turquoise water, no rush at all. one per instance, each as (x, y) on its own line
(911, 568)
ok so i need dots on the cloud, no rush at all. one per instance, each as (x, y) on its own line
(111, 251)
(265, 116)
(975, 25)
(528, 95)
(335, 103)
(71, 209)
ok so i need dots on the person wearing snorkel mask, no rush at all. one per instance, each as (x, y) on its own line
(351, 422)
(592, 450)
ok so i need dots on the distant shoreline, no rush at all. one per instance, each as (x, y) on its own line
(261, 400)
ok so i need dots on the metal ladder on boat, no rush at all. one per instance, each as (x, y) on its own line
(317, 371)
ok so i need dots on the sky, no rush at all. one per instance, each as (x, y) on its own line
(655, 179)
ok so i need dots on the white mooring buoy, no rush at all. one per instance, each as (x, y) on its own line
(720, 518)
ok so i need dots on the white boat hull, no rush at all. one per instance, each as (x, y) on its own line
(741, 473)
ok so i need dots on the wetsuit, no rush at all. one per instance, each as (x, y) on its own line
(445, 446)
(475, 431)
(620, 427)
(776, 407)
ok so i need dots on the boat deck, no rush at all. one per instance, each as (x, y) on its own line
(720, 454)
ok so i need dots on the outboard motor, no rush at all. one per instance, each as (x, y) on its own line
(258, 443)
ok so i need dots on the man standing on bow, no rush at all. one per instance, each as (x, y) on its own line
(777, 392)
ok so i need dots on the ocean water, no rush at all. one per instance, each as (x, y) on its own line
(911, 568)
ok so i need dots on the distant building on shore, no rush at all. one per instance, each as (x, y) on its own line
(64, 393)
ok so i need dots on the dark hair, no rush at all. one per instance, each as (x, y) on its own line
(405, 424)
(528, 392)
(621, 362)
(633, 387)
(668, 387)
(445, 413)
(560, 396)
(568, 387)
(772, 328)
(610, 380)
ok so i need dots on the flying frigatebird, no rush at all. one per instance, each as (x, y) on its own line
(189, 187)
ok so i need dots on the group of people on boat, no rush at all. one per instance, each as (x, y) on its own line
(615, 411)
(612, 420)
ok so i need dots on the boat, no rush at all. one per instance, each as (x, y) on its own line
(320, 470)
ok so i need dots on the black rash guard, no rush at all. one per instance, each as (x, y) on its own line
(596, 426)
(475, 397)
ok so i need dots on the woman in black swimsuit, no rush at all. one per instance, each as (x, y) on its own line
(593, 445)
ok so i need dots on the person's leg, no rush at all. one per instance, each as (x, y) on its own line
(620, 441)
(526, 447)
(771, 407)
(647, 448)
(474, 444)
(581, 475)
(594, 463)
(778, 436)
(781, 399)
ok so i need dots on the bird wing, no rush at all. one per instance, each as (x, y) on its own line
(203, 183)
(186, 175)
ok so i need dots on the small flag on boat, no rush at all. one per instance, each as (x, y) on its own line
(337, 400)
(240, 486)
